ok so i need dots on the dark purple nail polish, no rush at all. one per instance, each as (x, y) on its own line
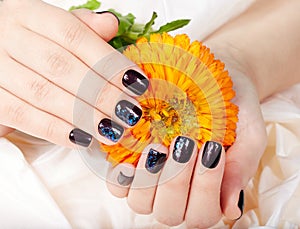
(241, 203)
(135, 82)
(211, 154)
(128, 112)
(79, 137)
(183, 149)
(109, 129)
(124, 180)
(155, 161)
(106, 11)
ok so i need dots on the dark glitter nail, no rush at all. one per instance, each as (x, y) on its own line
(135, 82)
(128, 112)
(110, 129)
(183, 149)
(106, 11)
(155, 161)
(211, 154)
(124, 180)
(79, 137)
(241, 203)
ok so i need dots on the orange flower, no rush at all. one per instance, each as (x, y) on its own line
(189, 94)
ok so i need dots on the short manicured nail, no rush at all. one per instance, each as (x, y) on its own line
(135, 82)
(155, 161)
(241, 203)
(109, 129)
(79, 137)
(102, 12)
(124, 180)
(211, 154)
(183, 149)
(128, 112)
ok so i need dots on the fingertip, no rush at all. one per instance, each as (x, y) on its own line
(116, 18)
(211, 154)
(235, 208)
(105, 23)
(232, 197)
(183, 148)
(119, 179)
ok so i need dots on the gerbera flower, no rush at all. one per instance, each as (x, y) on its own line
(189, 94)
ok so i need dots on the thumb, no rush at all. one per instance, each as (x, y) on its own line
(242, 160)
(104, 23)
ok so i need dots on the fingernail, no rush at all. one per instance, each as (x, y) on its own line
(135, 82)
(241, 203)
(106, 11)
(183, 149)
(128, 112)
(109, 129)
(124, 180)
(155, 161)
(211, 154)
(79, 137)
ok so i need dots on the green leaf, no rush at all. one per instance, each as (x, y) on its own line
(126, 22)
(172, 26)
(148, 25)
(129, 31)
(119, 43)
(90, 4)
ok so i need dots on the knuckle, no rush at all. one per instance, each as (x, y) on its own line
(51, 128)
(40, 89)
(58, 63)
(74, 34)
(15, 113)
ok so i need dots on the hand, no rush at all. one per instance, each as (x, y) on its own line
(53, 66)
(179, 190)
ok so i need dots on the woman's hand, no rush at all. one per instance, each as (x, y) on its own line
(58, 74)
(198, 187)
(262, 58)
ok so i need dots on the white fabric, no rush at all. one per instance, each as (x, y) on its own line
(47, 186)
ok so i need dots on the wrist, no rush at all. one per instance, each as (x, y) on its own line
(237, 64)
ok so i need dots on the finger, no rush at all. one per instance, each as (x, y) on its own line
(104, 23)
(16, 113)
(46, 96)
(241, 164)
(92, 89)
(204, 208)
(65, 70)
(142, 191)
(119, 179)
(69, 32)
(4, 130)
(174, 182)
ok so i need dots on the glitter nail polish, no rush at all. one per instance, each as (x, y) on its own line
(128, 112)
(109, 129)
(155, 161)
(183, 149)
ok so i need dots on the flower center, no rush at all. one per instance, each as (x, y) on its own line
(171, 117)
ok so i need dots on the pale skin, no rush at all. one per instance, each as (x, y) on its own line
(254, 52)
(261, 50)
(44, 60)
